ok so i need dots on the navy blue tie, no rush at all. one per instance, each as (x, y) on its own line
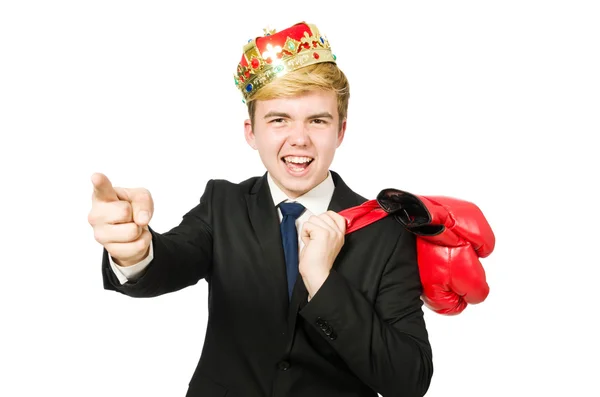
(289, 235)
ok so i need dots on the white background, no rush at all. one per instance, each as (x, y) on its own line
(494, 102)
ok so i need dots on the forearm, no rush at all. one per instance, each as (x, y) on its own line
(182, 256)
(178, 262)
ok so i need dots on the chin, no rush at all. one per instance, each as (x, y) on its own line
(298, 186)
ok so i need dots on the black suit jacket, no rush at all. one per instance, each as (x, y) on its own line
(362, 333)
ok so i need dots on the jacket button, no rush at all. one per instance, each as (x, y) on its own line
(320, 321)
(283, 365)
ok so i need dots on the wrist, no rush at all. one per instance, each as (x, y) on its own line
(313, 280)
(131, 261)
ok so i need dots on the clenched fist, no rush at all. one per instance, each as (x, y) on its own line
(120, 220)
(323, 238)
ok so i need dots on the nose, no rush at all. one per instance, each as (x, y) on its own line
(298, 136)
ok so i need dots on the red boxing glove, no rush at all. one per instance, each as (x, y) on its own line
(452, 277)
(452, 235)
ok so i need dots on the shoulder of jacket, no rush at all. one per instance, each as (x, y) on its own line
(227, 185)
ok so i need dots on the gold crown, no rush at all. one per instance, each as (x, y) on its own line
(275, 54)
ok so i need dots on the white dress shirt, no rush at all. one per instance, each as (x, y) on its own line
(316, 201)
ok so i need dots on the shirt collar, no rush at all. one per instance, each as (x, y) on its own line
(315, 200)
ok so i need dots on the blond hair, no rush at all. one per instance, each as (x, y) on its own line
(320, 76)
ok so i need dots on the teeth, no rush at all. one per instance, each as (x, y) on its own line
(297, 160)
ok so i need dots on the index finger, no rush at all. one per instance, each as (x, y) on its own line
(103, 189)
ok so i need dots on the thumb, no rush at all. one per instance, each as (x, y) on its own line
(305, 233)
(103, 189)
(340, 221)
(142, 205)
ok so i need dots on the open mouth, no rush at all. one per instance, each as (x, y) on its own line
(297, 164)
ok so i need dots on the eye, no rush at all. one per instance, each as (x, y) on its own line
(277, 121)
(319, 121)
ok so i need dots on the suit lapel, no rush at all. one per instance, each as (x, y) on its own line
(343, 197)
(265, 222)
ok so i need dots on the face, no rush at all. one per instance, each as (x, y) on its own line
(296, 139)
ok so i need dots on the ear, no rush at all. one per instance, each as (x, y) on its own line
(249, 134)
(341, 133)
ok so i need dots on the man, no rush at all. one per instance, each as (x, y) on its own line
(296, 307)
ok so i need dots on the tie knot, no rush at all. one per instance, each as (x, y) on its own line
(291, 209)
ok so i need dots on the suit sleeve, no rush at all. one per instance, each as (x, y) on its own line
(131, 273)
(385, 343)
(182, 256)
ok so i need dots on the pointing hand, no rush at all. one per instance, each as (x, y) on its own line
(120, 217)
